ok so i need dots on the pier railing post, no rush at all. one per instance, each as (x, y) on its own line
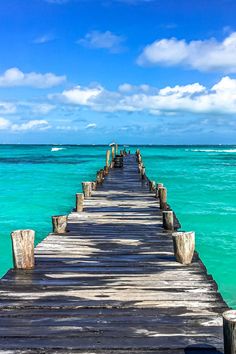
(23, 249)
(152, 186)
(113, 152)
(87, 189)
(108, 153)
(168, 219)
(79, 202)
(184, 246)
(143, 174)
(59, 224)
(229, 330)
(159, 185)
(163, 197)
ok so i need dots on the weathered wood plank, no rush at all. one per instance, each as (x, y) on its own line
(110, 284)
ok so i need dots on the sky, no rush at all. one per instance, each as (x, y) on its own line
(131, 71)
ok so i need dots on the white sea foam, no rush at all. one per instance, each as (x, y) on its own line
(214, 150)
(57, 149)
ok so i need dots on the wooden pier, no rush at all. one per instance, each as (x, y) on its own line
(111, 284)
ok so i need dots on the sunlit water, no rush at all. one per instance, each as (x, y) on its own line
(40, 181)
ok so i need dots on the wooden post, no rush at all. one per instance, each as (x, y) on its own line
(184, 245)
(79, 202)
(168, 220)
(59, 224)
(143, 173)
(108, 153)
(116, 149)
(163, 197)
(94, 185)
(229, 330)
(113, 152)
(152, 186)
(159, 185)
(87, 189)
(23, 249)
(98, 178)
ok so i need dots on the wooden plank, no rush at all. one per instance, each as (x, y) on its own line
(110, 285)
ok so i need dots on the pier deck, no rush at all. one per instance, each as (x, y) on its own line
(111, 284)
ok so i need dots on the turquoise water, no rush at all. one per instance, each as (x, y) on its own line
(37, 182)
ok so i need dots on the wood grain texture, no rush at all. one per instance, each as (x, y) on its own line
(111, 284)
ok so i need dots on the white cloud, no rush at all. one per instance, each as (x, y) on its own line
(79, 95)
(192, 98)
(103, 40)
(91, 126)
(31, 125)
(4, 123)
(42, 108)
(203, 55)
(125, 88)
(15, 77)
(37, 125)
(44, 39)
(7, 107)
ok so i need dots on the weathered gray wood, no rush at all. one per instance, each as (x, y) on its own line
(108, 153)
(113, 152)
(168, 219)
(184, 246)
(163, 197)
(79, 202)
(152, 186)
(111, 283)
(59, 224)
(23, 249)
(229, 328)
(87, 189)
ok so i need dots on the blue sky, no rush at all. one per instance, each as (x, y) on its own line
(135, 71)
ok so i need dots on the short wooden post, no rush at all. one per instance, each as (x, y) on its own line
(229, 330)
(94, 185)
(184, 245)
(152, 186)
(108, 153)
(106, 170)
(163, 197)
(87, 189)
(59, 224)
(79, 202)
(168, 219)
(159, 185)
(98, 178)
(116, 149)
(137, 152)
(113, 152)
(143, 172)
(23, 249)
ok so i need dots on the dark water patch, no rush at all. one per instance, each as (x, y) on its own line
(41, 161)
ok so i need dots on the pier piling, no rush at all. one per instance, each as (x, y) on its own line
(59, 224)
(184, 246)
(23, 249)
(229, 329)
(79, 202)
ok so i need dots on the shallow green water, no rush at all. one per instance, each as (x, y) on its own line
(37, 182)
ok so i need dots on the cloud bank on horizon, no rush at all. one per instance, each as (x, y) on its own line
(77, 73)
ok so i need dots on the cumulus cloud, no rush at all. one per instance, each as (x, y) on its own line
(37, 125)
(203, 55)
(79, 95)
(191, 98)
(103, 40)
(15, 77)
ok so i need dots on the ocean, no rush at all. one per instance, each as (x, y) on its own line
(38, 181)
